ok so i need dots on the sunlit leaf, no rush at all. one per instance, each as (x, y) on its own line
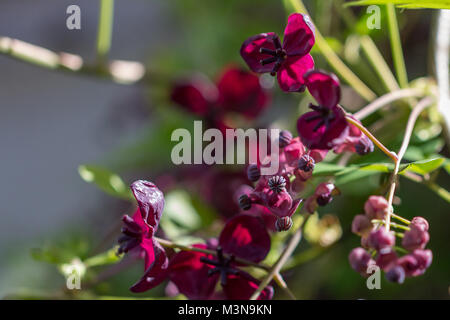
(106, 180)
(410, 4)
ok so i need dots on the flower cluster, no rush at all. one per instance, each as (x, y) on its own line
(378, 244)
(278, 193)
(237, 91)
(193, 273)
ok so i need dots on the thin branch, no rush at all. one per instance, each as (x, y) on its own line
(284, 257)
(424, 103)
(386, 99)
(369, 135)
(104, 33)
(120, 71)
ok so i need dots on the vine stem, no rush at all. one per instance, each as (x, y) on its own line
(334, 60)
(386, 99)
(285, 255)
(277, 277)
(369, 135)
(424, 103)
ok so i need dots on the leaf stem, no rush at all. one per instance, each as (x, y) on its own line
(396, 45)
(378, 63)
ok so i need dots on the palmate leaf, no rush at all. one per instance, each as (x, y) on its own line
(409, 4)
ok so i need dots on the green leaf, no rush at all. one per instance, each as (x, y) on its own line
(424, 166)
(106, 180)
(409, 4)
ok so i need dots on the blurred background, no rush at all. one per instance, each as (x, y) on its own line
(52, 122)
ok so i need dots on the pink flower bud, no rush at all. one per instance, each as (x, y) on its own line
(376, 207)
(361, 225)
(421, 223)
(359, 259)
(416, 238)
(380, 238)
(386, 258)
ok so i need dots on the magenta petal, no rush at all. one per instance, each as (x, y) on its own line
(298, 35)
(155, 274)
(322, 137)
(290, 74)
(150, 200)
(242, 286)
(148, 252)
(245, 237)
(240, 91)
(190, 275)
(324, 87)
(251, 54)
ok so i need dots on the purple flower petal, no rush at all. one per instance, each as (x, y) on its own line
(318, 136)
(324, 87)
(298, 35)
(150, 200)
(242, 286)
(155, 274)
(190, 275)
(290, 74)
(250, 51)
(240, 91)
(245, 237)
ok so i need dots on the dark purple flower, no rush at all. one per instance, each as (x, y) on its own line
(411, 265)
(396, 274)
(138, 234)
(196, 274)
(325, 126)
(236, 91)
(290, 60)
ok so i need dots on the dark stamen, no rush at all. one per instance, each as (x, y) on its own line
(268, 60)
(222, 265)
(268, 51)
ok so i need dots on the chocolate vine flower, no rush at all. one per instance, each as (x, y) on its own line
(236, 91)
(138, 234)
(325, 126)
(380, 243)
(196, 274)
(290, 60)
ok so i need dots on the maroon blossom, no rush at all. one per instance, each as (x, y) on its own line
(359, 260)
(138, 232)
(236, 91)
(290, 60)
(195, 274)
(381, 238)
(325, 127)
(353, 140)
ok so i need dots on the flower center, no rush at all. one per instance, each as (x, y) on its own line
(278, 55)
(222, 265)
(325, 115)
(277, 184)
